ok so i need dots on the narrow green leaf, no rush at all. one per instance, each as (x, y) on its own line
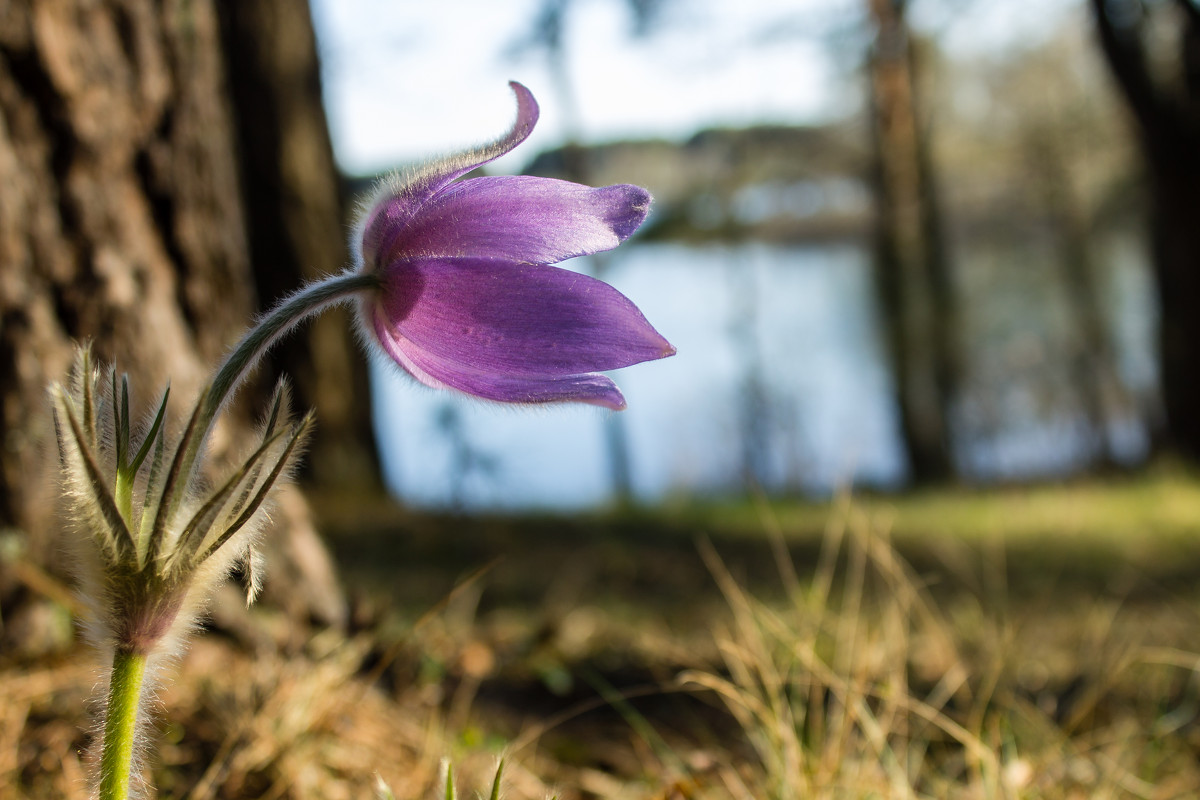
(249, 490)
(172, 490)
(98, 490)
(279, 403)
(68, 448)
(496, 783)
(382, 790)
(253, 569)
(86, 380)
(116, 420)
(123, 495)
(299, 432)
(450, 794)
(199, 525)
(279, 410)
(136, 463)
(123, 416)
(123, 484)
(152, 495)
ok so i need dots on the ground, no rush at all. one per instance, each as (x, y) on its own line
(1036, 642)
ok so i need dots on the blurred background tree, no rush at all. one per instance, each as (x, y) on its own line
(912, 273)
(166, 170)
(1153, 50)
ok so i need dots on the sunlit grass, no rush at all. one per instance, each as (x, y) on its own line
(1142, 515)
(1024, 642)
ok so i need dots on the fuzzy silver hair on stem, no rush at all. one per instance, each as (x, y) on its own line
(153, 538)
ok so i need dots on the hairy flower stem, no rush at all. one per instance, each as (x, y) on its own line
(120, 724)
(309, 300)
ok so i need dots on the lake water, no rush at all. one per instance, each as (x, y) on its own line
(779, 381)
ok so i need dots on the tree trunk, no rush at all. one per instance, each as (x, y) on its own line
(912, 273)
(1168, 127)
(1092, 362)
(121, 219)
(296, 226)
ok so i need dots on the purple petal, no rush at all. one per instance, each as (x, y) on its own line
(590, 388)
(399, 198)
(525, 219)
(511, 332)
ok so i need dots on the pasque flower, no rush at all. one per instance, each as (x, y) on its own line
(453, 280)
(467, 296)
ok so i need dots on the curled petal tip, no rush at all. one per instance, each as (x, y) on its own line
(527, 114)
(401, 198)
(637, 206)
(607, 395)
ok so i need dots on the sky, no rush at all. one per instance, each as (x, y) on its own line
(407, 79)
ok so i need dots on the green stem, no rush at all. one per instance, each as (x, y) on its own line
(120, 724)
(309, 300)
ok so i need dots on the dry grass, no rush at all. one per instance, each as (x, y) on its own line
(854, 676)
(863, 686)
(236, 724)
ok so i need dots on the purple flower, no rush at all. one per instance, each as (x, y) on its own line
(468, 299)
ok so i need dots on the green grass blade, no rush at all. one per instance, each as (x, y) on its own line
(496, 783)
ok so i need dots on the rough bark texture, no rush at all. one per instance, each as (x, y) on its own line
(915, 289)
(120, 221)
(121, 218)
(1167, 116)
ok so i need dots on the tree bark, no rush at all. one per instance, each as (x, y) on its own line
(122, 219)
(913, 277)
(1167, 119)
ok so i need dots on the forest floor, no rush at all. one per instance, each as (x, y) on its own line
(1034, 642)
